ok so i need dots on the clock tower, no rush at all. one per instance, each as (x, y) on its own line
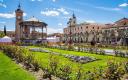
(19, 18)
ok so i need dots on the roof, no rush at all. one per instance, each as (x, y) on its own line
(34, 19)
(123, 21)
(5, 39)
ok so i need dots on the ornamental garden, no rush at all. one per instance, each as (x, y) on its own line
(40, 62)
(32, 55)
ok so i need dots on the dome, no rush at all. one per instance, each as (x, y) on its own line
(33, 19)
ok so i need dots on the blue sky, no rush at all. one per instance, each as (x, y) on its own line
(57, 12)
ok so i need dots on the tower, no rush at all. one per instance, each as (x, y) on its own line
(73, 20)
(19, 18)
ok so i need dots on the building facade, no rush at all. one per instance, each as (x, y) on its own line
(19, 19)
(82, 33)
(29, 30)
(116, 33)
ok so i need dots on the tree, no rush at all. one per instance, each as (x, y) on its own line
(5, 33)
(1, 34)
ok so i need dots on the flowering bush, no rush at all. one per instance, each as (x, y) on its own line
(114, 71)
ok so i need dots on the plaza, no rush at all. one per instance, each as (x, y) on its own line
(36, 49)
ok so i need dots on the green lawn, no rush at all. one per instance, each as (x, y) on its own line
(44, 57)
(89, 66)
(11, 71)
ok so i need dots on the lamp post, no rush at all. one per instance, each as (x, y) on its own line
(70, 33)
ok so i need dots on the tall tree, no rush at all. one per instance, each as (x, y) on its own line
(5, 31)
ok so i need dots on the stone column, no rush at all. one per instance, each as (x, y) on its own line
(21, 31)
(46, 31)
(33, 32)
(42, 32)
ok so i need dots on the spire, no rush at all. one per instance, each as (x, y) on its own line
(19, 6)
(73, 15)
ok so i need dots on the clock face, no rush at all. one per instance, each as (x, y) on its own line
(19, 17)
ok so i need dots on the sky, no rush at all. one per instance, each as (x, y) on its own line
(56, 13)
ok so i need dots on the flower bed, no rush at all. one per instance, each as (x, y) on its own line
(79, 59)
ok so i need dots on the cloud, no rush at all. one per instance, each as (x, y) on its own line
(99, 7)
(54, 0)
(63, 11)
(42, 0)
(90, 21)
(24, 14)
(60, 24)
(54, 30)
(108, 9)
(36, 0)
(123, 5)
(3, 5)
(50, 13)
(9, 15)
(54, 12)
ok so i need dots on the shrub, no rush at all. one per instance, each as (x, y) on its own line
(65, 70)
(114, 71)
(79, 72)
(126, 67)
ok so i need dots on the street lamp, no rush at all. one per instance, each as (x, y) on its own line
(70, 32)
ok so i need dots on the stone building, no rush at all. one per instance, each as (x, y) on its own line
(82, 33)
(30, 30)
(116, 33)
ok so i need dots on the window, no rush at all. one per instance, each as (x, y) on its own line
(87, 27)
(93, 27)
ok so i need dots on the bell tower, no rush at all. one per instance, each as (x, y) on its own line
(73, 20)
(19, 18)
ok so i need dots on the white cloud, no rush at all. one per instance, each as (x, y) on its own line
(54, 30)
(123, 5)
(24, 14)
(60, 24)
(108, 9)
(50, 13)
(90, 21)
(42, 0)
(66, 17)
(54, 12)
(54, 0)
(63, 11)
(9, 15)
(36, 0)
(3, 5)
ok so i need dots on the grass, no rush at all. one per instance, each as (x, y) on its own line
(11, 71)
(44, 58)
(89, 66)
